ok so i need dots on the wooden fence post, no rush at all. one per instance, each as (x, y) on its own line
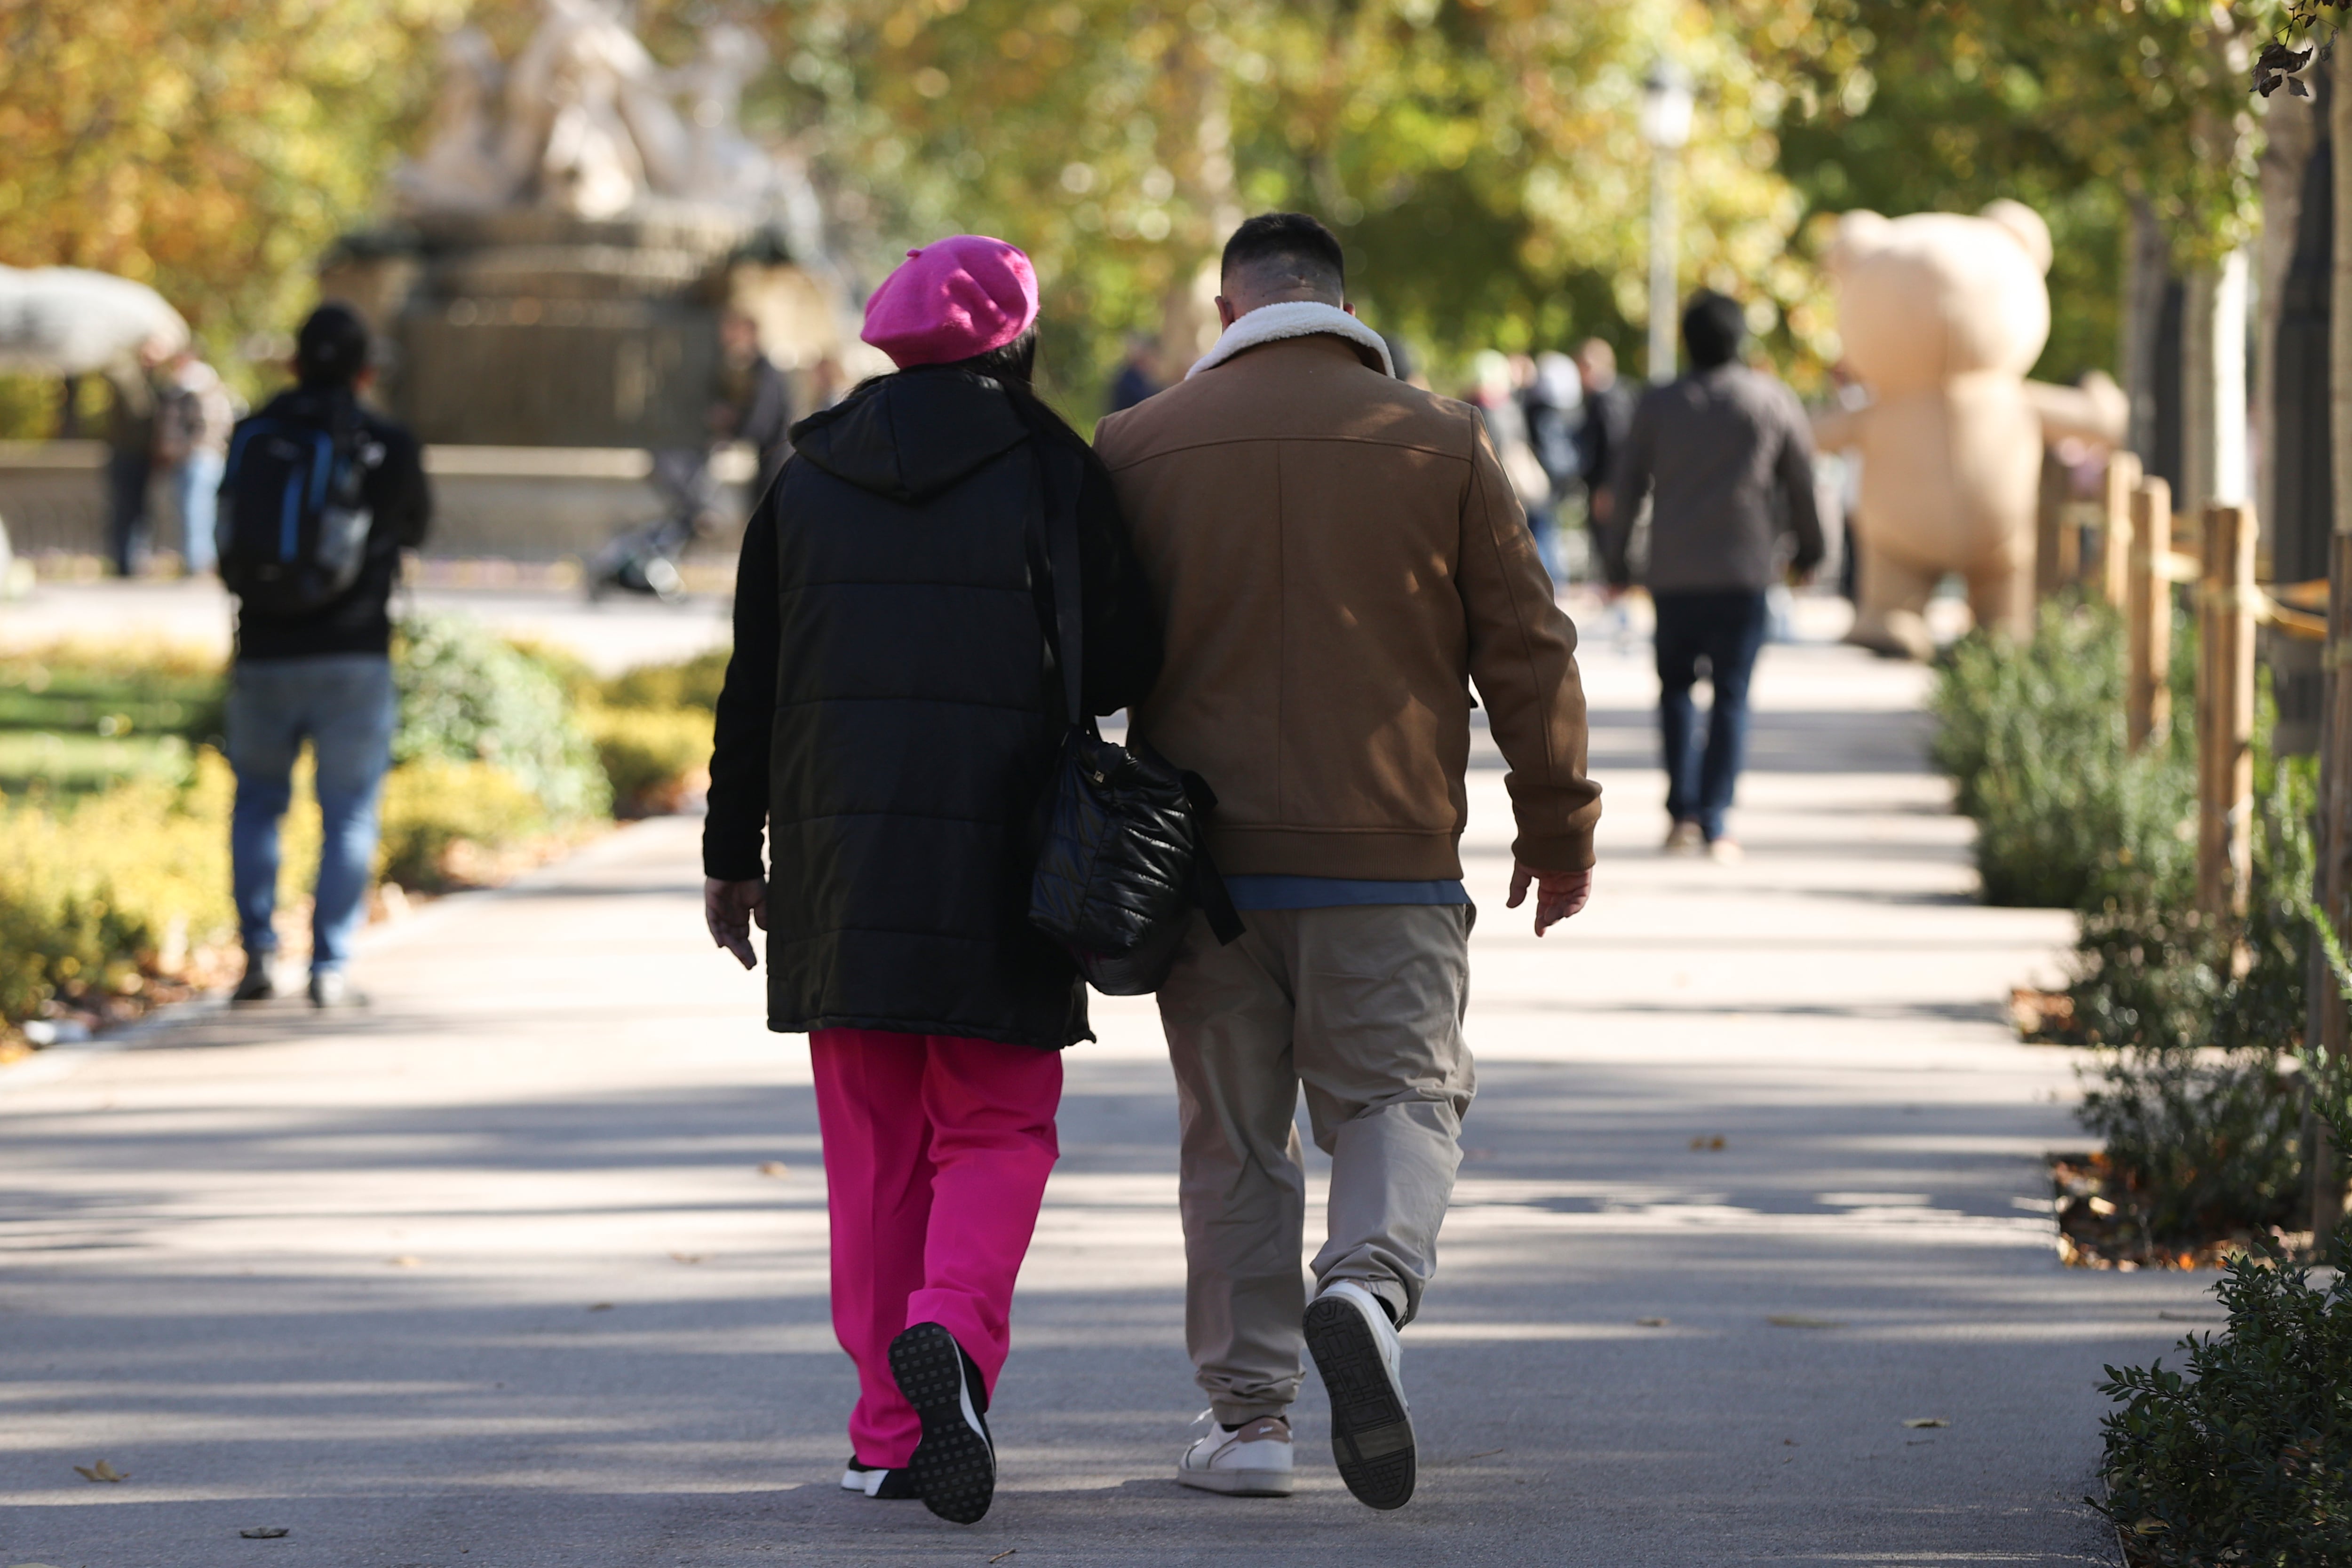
(2225, 711)
(2118, 529)
(2057, 548)
(2147, 614)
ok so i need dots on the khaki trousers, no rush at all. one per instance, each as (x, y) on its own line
(1362, 1006)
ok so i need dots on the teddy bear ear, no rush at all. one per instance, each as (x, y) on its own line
(1858, 234)
(2025, 226)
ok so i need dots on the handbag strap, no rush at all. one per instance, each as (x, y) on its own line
(1066, 634)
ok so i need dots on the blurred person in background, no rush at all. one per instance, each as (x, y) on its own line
(889, 723)
(1138, 377)
(1553, 403)
(321, 673)
(131, 436)
(755, 402)
(1494, 391)
(1725, 458)
(1601, 432)
(193, 419)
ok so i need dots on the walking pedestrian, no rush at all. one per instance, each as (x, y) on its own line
(193, 420)
(1725, 458)
(1336, 557)
(891, 719)
(1601, 434)
(131, 456)
(754, 402)
(1553, 402)
(1138, 375)
(312, 563)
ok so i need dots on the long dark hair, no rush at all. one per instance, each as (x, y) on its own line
(1013, 366)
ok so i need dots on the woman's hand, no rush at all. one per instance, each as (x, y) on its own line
(728, 909)
(1559, 893)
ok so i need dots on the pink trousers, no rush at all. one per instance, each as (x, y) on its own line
(935, 1154)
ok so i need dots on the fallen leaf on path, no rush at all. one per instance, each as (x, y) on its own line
(1704, 1142)
(267, 1532)
(1004, 1555)
(600, 1306)
(1915, 1422)
(685, 1256)
(101, 1471)
(773, 1167)
(1798, 1321)
(1651, 1322)
(406, 1262)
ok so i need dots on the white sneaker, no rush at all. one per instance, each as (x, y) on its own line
(1355, 1348)
(1726, 851)
(1254, 1461)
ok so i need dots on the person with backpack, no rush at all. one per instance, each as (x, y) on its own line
(319, 498)
(892, 716)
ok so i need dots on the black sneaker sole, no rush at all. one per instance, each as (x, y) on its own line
(954, 1466)
(1372, 1434)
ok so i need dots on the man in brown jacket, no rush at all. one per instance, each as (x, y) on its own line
(1336, 557)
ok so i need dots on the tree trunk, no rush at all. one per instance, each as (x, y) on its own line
(2214, 387)
(2290, 129)
(2148, 266)
(2335, 721)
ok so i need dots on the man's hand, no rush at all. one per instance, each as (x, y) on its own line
(1559, 893)
(728, 909)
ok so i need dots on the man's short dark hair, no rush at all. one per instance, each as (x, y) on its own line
(332, 349)
(1299, 239)
(1713, 325)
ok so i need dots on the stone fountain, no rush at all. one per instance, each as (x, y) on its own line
(579, 219)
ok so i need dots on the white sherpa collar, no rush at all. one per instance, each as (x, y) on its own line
(1292, 319)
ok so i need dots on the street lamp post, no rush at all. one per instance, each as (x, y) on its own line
(1665, 126)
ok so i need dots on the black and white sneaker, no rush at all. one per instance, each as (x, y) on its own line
(955, 1464)
(878, 1482)
(1355, 1348)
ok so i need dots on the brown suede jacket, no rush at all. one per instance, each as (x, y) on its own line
(1335, 556)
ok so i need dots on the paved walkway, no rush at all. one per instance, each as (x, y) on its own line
(495, 1276)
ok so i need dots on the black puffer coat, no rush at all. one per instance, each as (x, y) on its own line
(892, 715)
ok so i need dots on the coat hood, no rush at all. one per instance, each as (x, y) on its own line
(909, 436)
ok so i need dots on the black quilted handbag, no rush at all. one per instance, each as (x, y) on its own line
(1123, 863)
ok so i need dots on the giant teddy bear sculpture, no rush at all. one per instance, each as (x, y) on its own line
(1941, 316)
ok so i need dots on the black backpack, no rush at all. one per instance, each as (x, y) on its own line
(293, 529)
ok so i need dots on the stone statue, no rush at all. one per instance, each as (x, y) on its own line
(1941, 315)
(460, 170)
(587, 122)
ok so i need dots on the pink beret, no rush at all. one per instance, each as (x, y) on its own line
(953, 300)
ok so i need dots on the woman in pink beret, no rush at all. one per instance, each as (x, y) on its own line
(890, 721)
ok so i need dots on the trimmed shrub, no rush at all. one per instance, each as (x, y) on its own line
(96, 893)
(2247, 1459)
(692, 683)
(466, 696)
(651, 757)
(433, 805)
(2032, 737)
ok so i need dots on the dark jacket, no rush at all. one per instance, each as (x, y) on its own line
(892, 715)
(1601, 435)
(396, 490)
(1725, 457)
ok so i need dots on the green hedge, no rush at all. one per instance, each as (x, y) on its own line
(2245, 1459)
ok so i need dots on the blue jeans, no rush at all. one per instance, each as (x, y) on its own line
(195, 485)
(1726, 629)
(342, 704)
